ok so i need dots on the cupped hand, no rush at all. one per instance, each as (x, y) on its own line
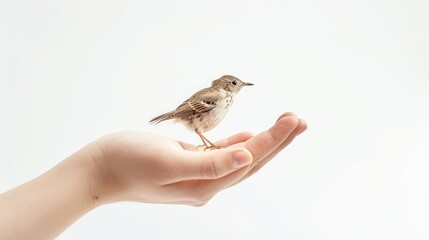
(136, 166)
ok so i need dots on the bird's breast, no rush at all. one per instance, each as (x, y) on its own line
(212, 118)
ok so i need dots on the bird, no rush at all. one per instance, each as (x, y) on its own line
(206, 108)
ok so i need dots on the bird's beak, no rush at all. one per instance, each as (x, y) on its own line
(248, 84)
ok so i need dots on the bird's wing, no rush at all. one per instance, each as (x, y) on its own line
(200, 102)
(205, 102)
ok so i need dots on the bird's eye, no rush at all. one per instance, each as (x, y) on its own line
(234, 82)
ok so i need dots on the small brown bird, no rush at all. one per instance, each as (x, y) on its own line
(206, 108)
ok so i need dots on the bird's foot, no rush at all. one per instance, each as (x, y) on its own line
(206, 147)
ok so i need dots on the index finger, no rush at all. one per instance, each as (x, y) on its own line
(266, 142)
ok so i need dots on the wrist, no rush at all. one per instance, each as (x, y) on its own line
(103, 186)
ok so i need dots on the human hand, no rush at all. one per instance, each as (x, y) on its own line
(135, 166)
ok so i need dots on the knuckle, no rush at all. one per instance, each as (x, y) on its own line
(208, 170)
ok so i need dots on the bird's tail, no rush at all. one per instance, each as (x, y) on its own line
(162, 117)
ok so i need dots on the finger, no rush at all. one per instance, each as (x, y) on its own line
(266, 142)
(237, 138)
(260, 146)
(212, 164)
(302, 126)
(286, 114)
(258, 165)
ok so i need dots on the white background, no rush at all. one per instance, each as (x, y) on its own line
(356, 71)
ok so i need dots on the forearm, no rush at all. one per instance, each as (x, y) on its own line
(45, 206)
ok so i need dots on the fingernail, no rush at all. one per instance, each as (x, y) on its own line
(240, 159)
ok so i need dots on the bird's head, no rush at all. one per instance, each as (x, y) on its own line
(230, 83)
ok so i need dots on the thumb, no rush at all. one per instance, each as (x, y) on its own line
(215, 164)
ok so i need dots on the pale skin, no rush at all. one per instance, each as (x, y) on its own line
(141, 167)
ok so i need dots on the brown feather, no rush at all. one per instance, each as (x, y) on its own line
(206, 108)
(191, 107)
(162, 117)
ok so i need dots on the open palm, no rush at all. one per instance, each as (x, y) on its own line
(150, 168)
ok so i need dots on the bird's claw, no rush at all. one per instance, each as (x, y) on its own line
(208, 147)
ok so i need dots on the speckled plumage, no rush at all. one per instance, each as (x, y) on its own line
(206, 108)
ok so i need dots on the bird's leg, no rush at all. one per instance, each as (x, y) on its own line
(207, 143)
(212, 146)
(204, 142)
